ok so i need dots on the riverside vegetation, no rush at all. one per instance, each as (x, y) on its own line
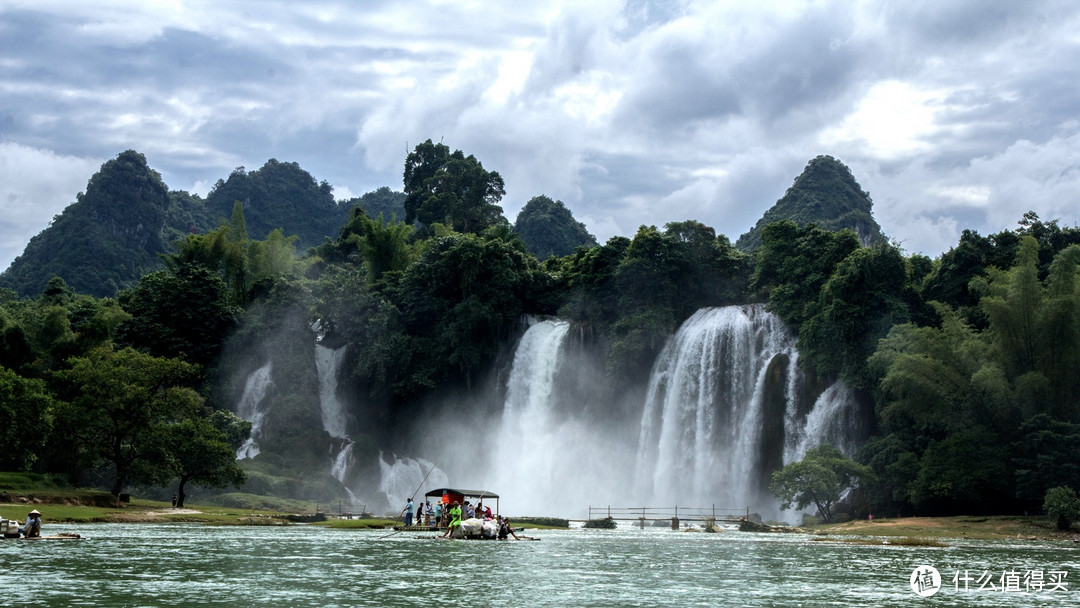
(965, 363)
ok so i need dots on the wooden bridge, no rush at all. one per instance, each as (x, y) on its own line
(344, 510)
(673, 515)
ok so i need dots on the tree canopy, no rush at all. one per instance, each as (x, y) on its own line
(452, 189)
(821, 479)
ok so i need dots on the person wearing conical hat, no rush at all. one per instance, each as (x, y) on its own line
(32, 529)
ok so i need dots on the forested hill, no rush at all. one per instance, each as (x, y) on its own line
(117, 229)
(549, 229)
(111, 235)
(825, 194)
(279, 195)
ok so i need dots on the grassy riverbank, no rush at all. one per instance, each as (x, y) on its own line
(144, 511)
(981, 527)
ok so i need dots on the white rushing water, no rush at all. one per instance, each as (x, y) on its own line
(327, 364)
(253, 407)
(702, 422)
(720, 411)
(704, 429)
(831, 421)
(524, 441)
(342, 461)
(543, 454)
(334, 417)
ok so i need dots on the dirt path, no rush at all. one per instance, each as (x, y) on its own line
(172, 511)
(149, 515)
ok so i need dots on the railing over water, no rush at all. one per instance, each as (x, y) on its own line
(344, 510)
(669, 513)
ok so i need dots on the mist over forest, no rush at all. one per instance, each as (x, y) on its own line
(270, 341)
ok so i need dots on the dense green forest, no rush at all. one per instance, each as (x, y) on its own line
(968, 361)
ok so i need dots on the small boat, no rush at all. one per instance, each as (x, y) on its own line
(9, 530)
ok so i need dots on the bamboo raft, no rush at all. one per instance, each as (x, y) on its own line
(60, 536)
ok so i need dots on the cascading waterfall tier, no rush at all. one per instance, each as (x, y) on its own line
(253, 407)
(548, 454)
(524, 440)
(327, 363)
(334, 418)
(722, 409)
(833, 420)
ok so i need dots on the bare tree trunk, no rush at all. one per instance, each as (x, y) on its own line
(180, 494)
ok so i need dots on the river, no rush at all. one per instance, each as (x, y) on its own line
(196, 565)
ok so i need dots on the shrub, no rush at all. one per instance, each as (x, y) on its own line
(1062, 505)
(606, 523)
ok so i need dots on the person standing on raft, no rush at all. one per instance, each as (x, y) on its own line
(455, 520)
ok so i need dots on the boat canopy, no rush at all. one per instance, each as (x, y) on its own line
(466, 493)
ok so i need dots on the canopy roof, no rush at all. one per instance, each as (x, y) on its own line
(465, 493)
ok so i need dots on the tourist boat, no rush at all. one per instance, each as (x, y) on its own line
(448, 496)
(471, 529)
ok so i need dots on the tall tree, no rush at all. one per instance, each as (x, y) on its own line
(26, 407)
(459, 301)
(195, 450)
(117, 402)
(821, 478)
(857, 305)
(1036, 326)
(794, 263)
(452, 189)
(179, 313)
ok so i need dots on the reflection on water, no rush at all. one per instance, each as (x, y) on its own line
(193, 565)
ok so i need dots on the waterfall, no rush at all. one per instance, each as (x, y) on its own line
(253, 409)
(334, 419)
(401, 479)
(527, 410)
(342, 462)
(327, 363)
(701, 439)
(830, 421)
(721, 411)
(525, 449)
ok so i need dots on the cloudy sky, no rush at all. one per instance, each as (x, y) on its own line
(952, 114)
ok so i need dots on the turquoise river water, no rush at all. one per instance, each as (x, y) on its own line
(195, 565)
